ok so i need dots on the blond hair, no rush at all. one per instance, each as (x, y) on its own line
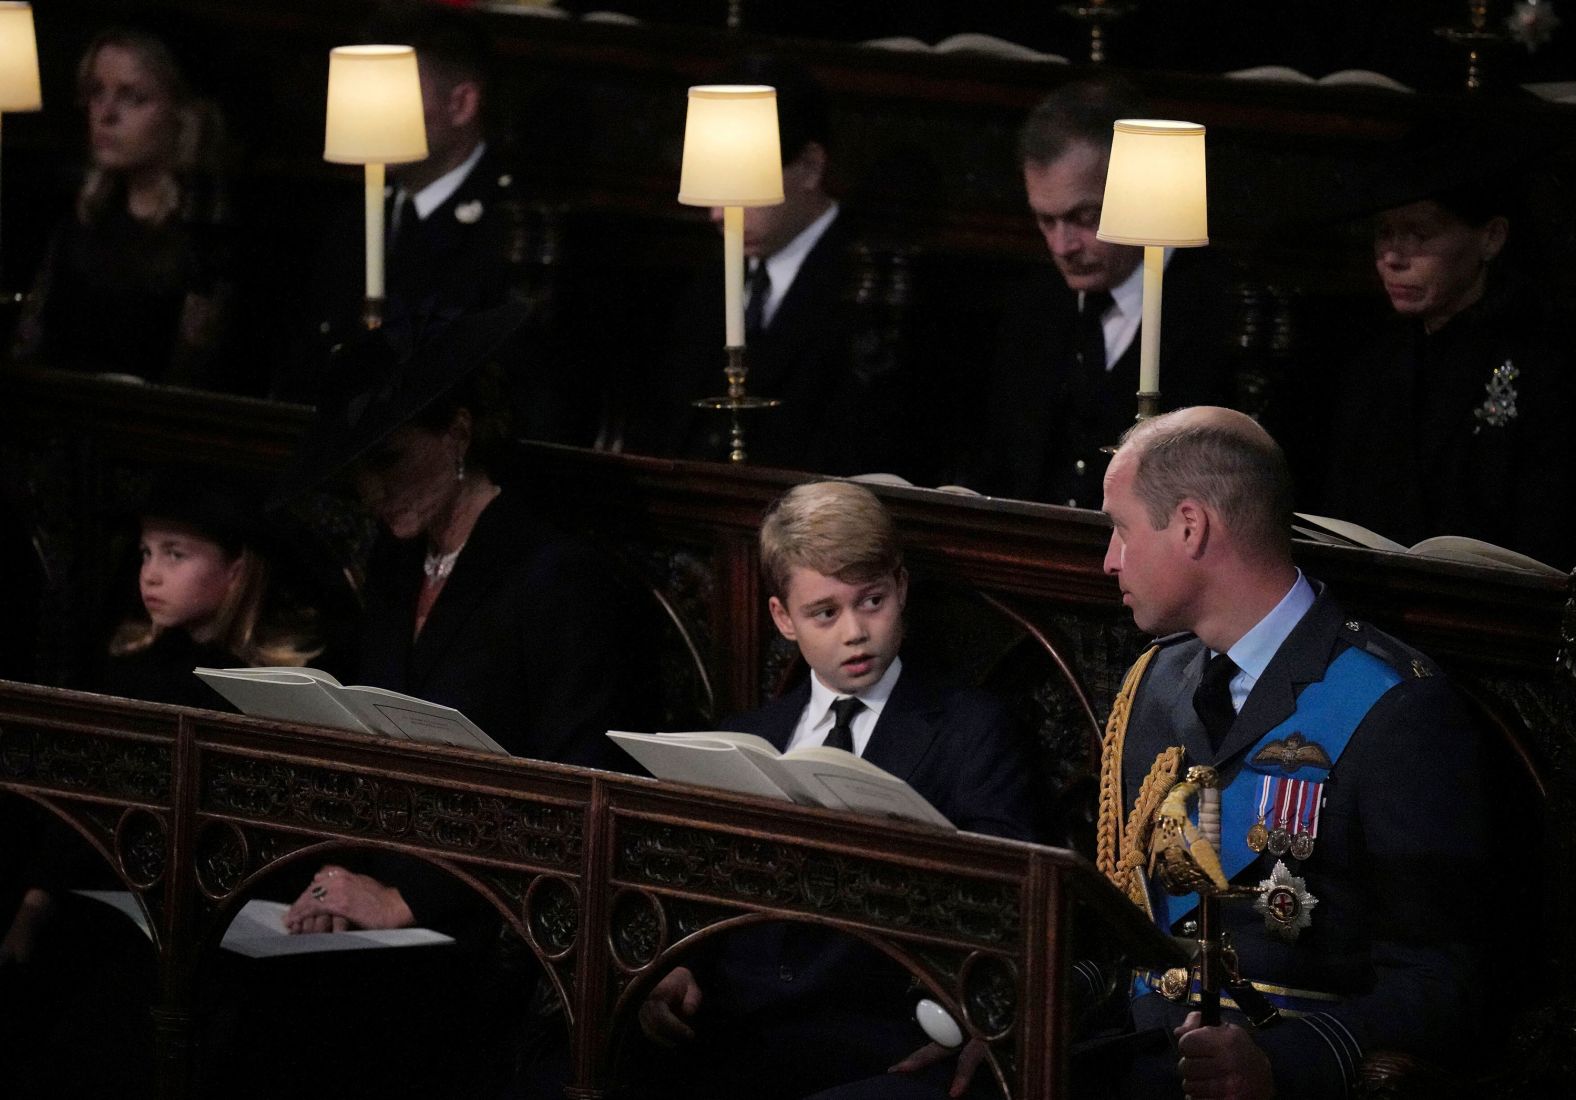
(200, 143)
(244, 625)
(836, 528)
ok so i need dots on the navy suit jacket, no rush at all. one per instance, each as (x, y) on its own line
(1401, 831)
(776, 994)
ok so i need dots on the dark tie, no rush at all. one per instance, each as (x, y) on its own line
(755, 313)
(842, 735)
(1091, 332)
(403, 222)
(1212, 700)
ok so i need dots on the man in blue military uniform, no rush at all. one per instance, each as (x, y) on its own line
(1350, 803)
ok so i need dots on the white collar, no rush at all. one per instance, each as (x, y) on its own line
(873, 697)
(784, 264)
(438, 192)
(1255, 649)
(1128, 295)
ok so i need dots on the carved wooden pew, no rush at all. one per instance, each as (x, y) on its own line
(607, 879)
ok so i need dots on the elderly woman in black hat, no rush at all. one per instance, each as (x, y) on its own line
(473, 600)
(1455, 420)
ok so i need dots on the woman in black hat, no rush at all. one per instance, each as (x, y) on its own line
(136, 280)
(473, 600)
(1455, 421)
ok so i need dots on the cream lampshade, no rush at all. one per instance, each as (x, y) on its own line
(1155, 196)
(374, 106)
(1155, 189)
(19, 88)
(732, 159)
(732, 156)
(374, 118)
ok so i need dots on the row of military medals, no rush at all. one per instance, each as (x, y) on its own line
(1296, 803)
(1284, 899)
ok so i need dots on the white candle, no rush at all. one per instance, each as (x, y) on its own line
(1149, 331)
(374, 213)
(733, 273)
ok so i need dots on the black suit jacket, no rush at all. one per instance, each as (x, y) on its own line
(1401, 834)
(842, 398)
(1047, 412)
(790, 1009)
(525, 637)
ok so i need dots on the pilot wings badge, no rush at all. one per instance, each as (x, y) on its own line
(1292, 753)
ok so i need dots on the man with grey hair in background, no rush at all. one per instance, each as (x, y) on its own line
(1065, 371)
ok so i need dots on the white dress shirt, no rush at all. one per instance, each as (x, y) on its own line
(784, 264)
(1121, 320)
(436, 193)
(817, 719)
(1253, 650)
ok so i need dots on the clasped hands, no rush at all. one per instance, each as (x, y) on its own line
(338, 900)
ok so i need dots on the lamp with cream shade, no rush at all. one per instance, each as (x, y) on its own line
(732, 159)
(19, 85)
(1155, 196)
(374, 119)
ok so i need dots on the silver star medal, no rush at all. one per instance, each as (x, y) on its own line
(1286, 904)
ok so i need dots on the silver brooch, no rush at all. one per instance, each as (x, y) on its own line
(1499, 407)
(1285, 903)
(469, 213)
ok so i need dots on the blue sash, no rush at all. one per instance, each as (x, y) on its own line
(1328, 713)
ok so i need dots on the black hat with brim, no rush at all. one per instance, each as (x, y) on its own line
(379, 382)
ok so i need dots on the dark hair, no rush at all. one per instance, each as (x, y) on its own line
(802, 113)
(484, 393)
(1082, 111)
(455, 44)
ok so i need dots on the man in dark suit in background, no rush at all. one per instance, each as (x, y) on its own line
(1065, 373)
(808, 341)
(786, 1010)
(460, 236)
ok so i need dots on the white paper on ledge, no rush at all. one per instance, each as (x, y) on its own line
(258, 930)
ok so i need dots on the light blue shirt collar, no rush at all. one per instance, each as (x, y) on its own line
(1255, 649)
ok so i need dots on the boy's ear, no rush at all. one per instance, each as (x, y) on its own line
(783, 620)
(902, 587)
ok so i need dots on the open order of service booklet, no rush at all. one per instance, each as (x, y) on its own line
(811, 776)
(314, 698)
(1340, 532)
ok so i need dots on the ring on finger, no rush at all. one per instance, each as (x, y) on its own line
(319, 893)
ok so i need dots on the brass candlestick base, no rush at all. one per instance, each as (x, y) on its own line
(372, 313)
(1095, 14)
(737, 401)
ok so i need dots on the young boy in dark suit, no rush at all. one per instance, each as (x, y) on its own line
(785, 1010)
